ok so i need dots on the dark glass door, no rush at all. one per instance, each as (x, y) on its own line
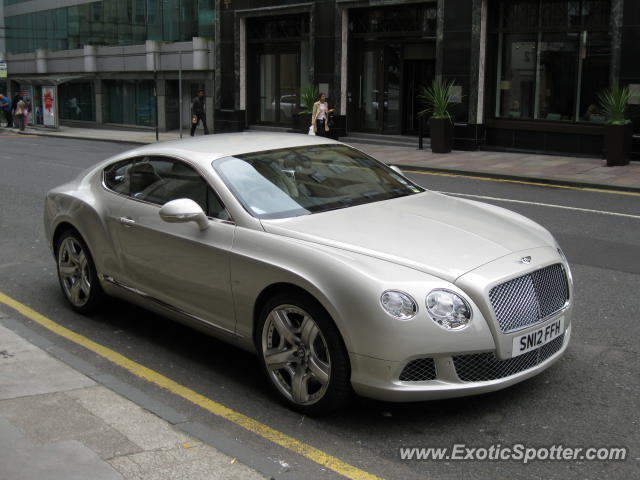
(378, 95)
(277, 85)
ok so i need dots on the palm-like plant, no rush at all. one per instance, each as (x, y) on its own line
(308, 96)
(436, 98)
(614, 103)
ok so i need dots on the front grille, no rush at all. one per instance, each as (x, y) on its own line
(480, 367)
(529, 299)
(419, 370)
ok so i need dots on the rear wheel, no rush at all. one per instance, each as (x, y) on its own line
(77, 273)
(303, 355)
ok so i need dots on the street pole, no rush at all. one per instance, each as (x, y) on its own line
(155, 90)
(180, 90)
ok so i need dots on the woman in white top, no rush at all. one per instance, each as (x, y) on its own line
(320, 116)
(21, 108)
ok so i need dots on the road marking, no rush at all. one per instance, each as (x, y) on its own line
(587, 210)
(315, 455)
(523, 182)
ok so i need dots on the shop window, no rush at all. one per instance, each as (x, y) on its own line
(130, 102)
(553, 58)
(77, 101)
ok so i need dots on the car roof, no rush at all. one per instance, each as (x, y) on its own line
(211, 147)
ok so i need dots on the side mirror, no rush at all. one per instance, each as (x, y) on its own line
(396, 169)
(184, 210)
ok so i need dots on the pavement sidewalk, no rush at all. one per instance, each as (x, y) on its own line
(58, 424)
(565, 170)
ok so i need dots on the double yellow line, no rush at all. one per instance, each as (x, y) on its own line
(315, 455)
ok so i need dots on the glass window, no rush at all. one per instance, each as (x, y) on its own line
(553, 58)
(304, 180)
(159, 180)
(130, 102)
(517, 83)
(557, 80)
(76, 101)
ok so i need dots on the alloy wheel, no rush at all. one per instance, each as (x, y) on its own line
(74, 271)
(296, 355)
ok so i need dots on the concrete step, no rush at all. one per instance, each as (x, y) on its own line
(385, 140)
(268, 128)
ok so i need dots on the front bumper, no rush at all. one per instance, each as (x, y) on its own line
(379, 379)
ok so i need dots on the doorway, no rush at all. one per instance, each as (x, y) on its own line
(377, 105)
(385, 84)
(276, 85)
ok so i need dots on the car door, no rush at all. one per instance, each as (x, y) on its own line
(177, 263)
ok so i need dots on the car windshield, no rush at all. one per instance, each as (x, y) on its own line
(298, 181)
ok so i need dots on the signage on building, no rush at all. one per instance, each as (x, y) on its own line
(3, 69)
(49, 106)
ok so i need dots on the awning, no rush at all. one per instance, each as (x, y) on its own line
(48, 80)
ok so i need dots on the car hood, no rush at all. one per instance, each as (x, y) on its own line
(440, 235)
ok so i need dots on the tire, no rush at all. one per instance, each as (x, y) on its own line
(302, 355)
(77, 273)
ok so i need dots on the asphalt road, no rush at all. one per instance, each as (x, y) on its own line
(590, 398)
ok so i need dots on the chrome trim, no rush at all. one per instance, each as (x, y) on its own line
(146, 296)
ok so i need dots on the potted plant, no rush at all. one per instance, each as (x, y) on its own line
(308, 96)
(437, 98)
(618, 130)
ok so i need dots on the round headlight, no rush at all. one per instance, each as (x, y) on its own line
(448, 309)
(399, 305)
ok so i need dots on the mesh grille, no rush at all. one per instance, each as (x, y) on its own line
(419, 370)
(485, 366)
(529, 299)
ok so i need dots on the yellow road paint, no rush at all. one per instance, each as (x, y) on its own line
(315, 455)
(522, 182)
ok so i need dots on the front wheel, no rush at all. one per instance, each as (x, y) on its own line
(303, 355)
(77, 273)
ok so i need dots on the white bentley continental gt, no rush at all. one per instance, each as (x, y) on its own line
(338, 271)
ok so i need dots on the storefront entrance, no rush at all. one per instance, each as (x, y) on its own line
(277, 67)
(386, 82)
(277, 85)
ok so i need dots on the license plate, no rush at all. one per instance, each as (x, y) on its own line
(535, 339)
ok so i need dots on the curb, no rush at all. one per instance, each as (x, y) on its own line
(60, 135)
(515, 178)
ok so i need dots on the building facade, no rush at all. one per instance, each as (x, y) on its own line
(528, 72)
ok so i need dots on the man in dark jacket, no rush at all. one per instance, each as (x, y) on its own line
(198, 113)
(5, 105)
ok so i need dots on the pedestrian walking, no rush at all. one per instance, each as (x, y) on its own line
(14, 102)
(20, 111)
(320, 116)
(198, 113)
(5, 106)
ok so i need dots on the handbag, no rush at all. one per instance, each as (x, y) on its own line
(194, 119)
(311, 132)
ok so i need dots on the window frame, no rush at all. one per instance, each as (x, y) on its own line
(132, 161)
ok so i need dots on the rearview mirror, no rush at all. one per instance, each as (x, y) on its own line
(184, 210)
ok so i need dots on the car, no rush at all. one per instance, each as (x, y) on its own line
(339, 272)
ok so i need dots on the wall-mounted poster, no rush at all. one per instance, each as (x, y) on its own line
(49, 106)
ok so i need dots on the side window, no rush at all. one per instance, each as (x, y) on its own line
(116, 178)
(159, 180)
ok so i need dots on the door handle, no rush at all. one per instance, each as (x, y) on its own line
(127, 221)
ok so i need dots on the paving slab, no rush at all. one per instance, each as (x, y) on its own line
(27, 370)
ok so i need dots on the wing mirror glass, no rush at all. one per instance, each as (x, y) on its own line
(184, 210)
